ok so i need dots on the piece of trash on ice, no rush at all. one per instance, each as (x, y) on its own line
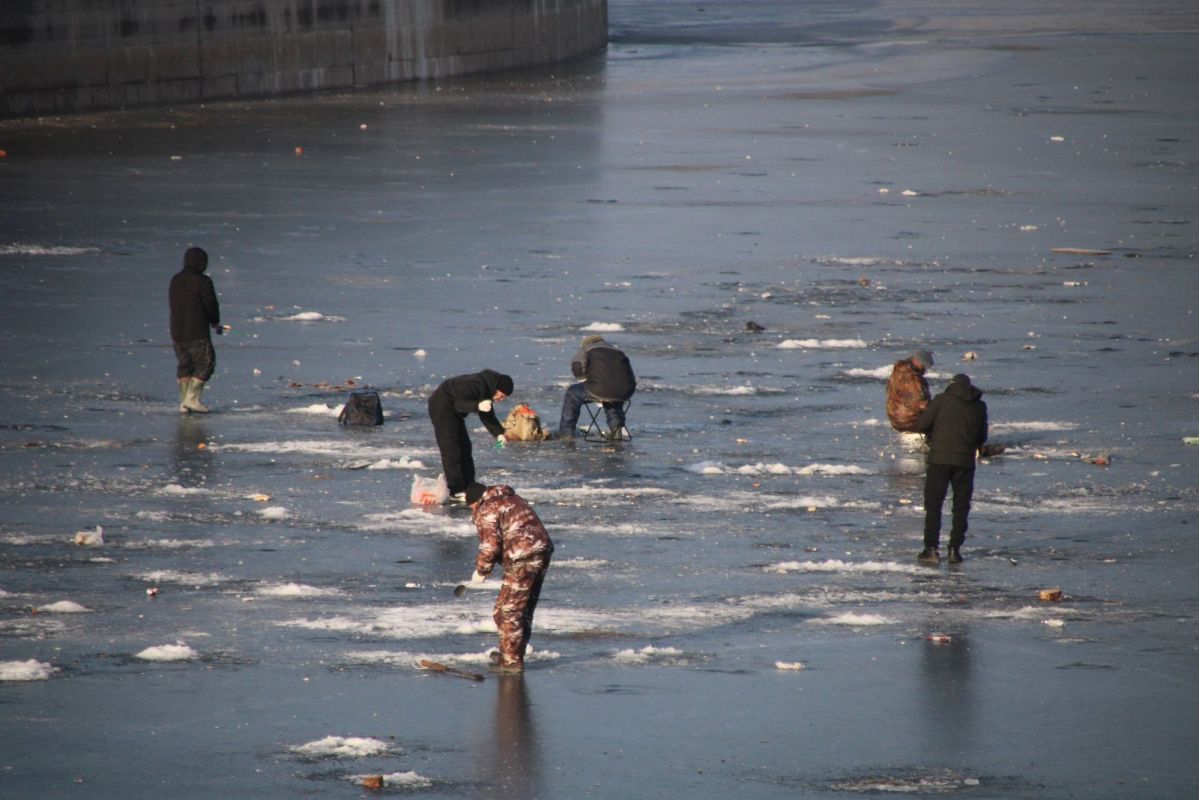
(884, 190)
(152, 591)
(743, 441)
(299, 151)
(909, 193)
(1071, 283)
(939, 638)
(1190, 440)
(1057, 138)
(1029, 227)
(1054, 623)
(92, 538)
(1050, 595)
(1101, 460)
(260, 498)
(904, 501)
(372, 782)
(970, 355)
(788, 665)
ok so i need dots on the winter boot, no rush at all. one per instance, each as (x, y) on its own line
(929, 555)
(184, 383)
(955, 555)
(192, 402)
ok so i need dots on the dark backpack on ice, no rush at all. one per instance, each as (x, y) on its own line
(363, 407)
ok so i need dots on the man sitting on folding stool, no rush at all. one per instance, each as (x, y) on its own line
(607, 378)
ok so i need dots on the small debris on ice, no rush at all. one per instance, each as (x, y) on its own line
(92, 538)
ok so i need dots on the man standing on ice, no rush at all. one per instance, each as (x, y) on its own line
(907, 391)
(510, 533)
(449, 405)
(194, 312)
(956, 424)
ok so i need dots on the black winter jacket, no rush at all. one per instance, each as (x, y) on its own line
(464, 393)
(956, 424)
(194, 307)
(605, 370)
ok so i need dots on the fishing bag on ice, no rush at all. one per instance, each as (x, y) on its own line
(523, 425)
(362, 407)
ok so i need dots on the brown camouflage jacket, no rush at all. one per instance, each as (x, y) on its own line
(509, 529)
(907, 395)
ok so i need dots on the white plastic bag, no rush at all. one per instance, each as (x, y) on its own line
(429, 491)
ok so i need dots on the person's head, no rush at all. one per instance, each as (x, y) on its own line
(195, 259)
(961, 378)
(922, 359)
(590, 340)
(474, 493)
(503, 388)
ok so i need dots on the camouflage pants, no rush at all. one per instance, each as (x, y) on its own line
(514, 607)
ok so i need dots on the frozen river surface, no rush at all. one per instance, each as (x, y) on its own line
(735, 610)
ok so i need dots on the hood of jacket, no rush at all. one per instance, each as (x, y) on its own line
(195, 260)
(496, 381)
(961, 388)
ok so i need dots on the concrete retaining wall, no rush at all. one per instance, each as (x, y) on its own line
(73, 55)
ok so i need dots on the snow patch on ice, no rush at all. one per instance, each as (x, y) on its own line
(417, 520)
(603, 327)
(301, 590)
(31, 670)
(839, 566)
(853, 619)
(400, 463)
(582, 563)
(821, 344)
(311, 316)
(649, 654)
(343, 747)
(320, 409)
(175, 490)
(182, 578)
(168, 652)
(877, 373)
(274, 513)
(63, 607)
(788, 665)
(833, 469)
(21, 249)
(1008, 427)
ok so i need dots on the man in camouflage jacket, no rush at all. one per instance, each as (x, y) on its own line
(907, 391)
(510, 533)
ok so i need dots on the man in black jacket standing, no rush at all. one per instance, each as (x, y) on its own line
(607, 378)
(449, 405)
(194, 312)
(956, 424)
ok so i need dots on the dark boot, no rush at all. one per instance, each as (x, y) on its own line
(955, 554)
(929, 555)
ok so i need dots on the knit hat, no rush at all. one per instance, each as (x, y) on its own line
(474, 493)
(923, 358)
(962, 378)
(590, 340)
(505, 384)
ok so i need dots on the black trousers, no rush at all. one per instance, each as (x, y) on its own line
(453, 440)
(937, 481)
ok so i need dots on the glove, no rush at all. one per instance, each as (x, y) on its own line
(477, 577)
(484, 405)
(499, 442)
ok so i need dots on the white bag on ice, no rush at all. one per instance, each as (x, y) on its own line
(429, 491)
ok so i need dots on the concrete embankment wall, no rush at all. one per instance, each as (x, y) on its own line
(74, 55)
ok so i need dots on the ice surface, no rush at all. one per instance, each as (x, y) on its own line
(721, 163)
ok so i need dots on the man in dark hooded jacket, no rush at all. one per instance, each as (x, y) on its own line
(194, 313)
(449, 405)
(607, 378)
(956, 424)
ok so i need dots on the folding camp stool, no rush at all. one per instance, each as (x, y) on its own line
(594, 433)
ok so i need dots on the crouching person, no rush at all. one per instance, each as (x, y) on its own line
(510, 533)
